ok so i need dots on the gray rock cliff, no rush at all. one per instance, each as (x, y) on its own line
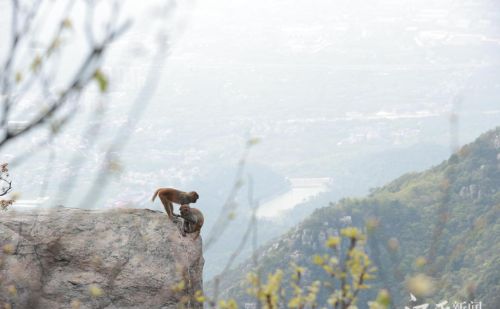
(75, 258)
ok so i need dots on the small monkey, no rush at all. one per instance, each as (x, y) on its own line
(169, 195)
(193, 220)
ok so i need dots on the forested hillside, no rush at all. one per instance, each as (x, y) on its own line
(439, 226)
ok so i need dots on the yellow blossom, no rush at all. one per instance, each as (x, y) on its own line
(95, 291)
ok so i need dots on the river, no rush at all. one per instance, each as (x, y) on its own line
(301, 190)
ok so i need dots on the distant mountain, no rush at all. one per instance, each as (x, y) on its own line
(443, 222)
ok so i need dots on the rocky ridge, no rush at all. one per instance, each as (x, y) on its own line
(75, 258)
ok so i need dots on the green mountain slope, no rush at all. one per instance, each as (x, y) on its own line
(443, 223)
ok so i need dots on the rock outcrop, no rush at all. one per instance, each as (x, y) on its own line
(74, 258)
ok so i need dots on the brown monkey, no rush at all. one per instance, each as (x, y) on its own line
(170, 195)
(193, 220)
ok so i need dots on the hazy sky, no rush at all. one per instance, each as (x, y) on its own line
(311, 78)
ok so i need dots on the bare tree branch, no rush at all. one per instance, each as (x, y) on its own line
(80, 80)
(230, 204)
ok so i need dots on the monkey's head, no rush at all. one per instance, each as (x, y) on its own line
(184, 209)
(193, 196)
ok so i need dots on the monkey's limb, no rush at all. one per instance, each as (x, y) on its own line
(169, 208)
(190, 219)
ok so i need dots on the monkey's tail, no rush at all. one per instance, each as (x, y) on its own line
(154, 196)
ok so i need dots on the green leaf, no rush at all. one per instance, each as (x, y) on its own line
(253, 141)
(37, 62)
(102, 80)
(19, 77)
(66, 23)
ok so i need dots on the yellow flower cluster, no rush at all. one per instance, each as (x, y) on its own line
(348, 269)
